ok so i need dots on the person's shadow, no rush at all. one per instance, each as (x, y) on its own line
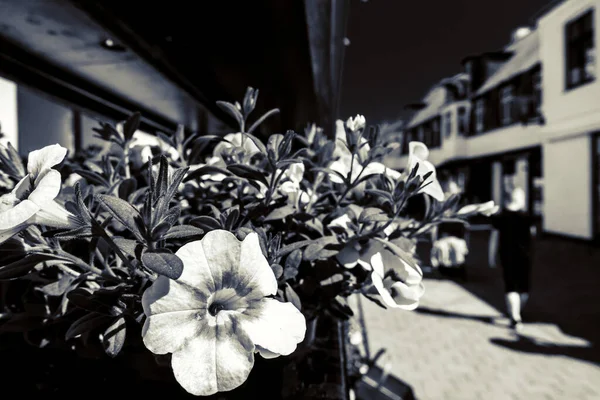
(447, 314)
(527, 344)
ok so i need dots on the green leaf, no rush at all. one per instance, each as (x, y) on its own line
(280, 213)
(160, 229)
(92, 177)
(183, 231)
(206, 223)
(22, 267)
(122, 211)
(248, 172)
(87, 323)
(88, 300)
(292, 297)
(262, 119)
(380, 193)
(257, 142)
(73, 234)
(176, 179)
(59, 287)
(317, 250)
(132, 248)
(127, 187)
(277, 270)
(231, 110)
(162, 180)
(285, 250)
(292, 263)
(131, 125)
(114, 337)
(163, 263)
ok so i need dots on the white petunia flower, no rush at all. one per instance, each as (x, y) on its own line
(219, 313)
(236, 140)
(356, 123)
(418, 154)
(32, 201)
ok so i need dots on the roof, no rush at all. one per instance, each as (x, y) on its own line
(526, 55)
(434, 100)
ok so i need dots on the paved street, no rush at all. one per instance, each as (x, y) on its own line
(457, 346)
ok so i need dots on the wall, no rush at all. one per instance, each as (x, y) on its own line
(8, 112)
(572, 111)
(42, 122)
(567, 187)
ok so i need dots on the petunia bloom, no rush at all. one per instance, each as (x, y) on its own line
(236, 141)
(398, 281)
(417, 155)
(32, 201)
(355, 167)
(219, 313)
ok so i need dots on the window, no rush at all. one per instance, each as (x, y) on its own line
(580, 51)
(421, 134)
(479, 114)
(448, 124)
(463, 121)
(436, 140)
(537, 92)
(506, 104)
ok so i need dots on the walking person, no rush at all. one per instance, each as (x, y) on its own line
(515, 230)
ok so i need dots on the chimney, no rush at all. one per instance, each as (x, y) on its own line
(520, 33)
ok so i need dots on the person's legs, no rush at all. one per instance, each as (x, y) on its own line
(513, 306)
(511, 285)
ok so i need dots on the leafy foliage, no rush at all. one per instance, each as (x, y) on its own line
(86, 282)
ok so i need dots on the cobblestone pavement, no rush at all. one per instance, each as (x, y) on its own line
(459, 347)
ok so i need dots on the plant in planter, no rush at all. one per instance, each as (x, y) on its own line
(208, 253)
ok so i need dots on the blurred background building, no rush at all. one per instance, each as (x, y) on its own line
(524, 115)
(66, 63)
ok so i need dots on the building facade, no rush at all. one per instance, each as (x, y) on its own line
(528, 119)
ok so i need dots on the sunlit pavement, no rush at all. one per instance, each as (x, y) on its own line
(457, 346)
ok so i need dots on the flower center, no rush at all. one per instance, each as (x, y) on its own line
(215, 307)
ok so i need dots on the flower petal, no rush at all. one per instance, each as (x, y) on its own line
(218, 359)
(418, 150)
(175, 311)
(45, 158)
(197, 272)
(373, 168)
(17, 215)
(266, 354)
(222, 251)
(55, 215)
(407, 296)
(47, 188)
(255, 276)
(409, 274)
(275, 326)
(6, 234)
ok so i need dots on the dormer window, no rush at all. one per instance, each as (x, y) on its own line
(448, 124)
(479, 115)
(506, 104)
(463, 120)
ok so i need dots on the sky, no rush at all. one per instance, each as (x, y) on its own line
(399, 48)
